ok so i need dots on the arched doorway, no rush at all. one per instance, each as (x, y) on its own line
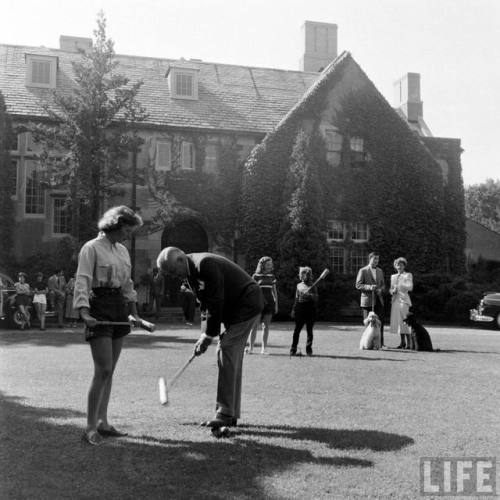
(189, 236)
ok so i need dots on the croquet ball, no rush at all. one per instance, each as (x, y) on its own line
(225, 432)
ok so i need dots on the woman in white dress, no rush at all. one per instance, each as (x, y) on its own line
(401, 284)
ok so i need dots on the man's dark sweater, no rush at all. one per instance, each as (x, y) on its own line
(225, 291)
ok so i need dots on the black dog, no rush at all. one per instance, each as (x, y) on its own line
(420, 336)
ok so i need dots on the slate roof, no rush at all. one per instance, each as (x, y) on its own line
(231, 97)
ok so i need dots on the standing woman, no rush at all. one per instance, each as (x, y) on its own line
(40, 289)
(22, 299)
(104, 291)
(267, 282)
(304, 310)
(401, 284)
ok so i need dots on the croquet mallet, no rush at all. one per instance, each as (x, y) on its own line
(323, 275)
(164, 388)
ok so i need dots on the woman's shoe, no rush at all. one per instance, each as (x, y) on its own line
(93, 438)
(111, 432)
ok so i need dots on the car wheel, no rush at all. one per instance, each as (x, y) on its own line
(497, 322)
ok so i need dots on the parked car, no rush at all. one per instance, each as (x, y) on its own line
(488, 310)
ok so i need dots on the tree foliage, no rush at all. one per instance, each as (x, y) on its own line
(482, 203)
(7, 185)
(93, 130)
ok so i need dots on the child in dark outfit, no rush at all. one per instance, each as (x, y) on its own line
(304, 310)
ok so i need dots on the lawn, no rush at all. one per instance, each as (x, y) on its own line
(343, 424)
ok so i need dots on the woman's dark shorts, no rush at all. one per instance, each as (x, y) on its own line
(107, 304)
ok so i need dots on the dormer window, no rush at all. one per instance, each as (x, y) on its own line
(41, 71)
(183, 82)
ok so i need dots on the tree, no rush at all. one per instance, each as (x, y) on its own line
(7, 185)
(482, 203)
(93, 130)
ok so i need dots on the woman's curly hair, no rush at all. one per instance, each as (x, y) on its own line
(117, 217)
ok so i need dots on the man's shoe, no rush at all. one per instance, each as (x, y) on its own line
(219, 421)
(309, 353)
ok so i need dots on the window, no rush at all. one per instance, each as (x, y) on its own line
(13, 142)
(358, 153)
(187, 156)
(335, 230)
(359, 258)
(41, 71)
(163, 160)
(357, 144)
(34, 194)
(61, 218)
(333, 142)
(359, 232)
(245, 147)
(445, 170)
(337, 259)
(211, 157)
(183, 82)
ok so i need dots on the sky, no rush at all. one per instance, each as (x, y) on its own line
(453, 44)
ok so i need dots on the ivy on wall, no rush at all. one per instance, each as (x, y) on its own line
(211, 198)
(397, 188)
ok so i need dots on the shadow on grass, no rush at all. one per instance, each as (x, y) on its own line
(340, 439)
(42, 456)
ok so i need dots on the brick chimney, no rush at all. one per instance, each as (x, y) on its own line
(407, 101)
(320, 45)
(74, 43)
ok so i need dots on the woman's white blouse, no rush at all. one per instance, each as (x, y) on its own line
(401, 284)
(103, 264)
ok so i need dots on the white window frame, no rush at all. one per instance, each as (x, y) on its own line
(333, 140)
(355, 228)
(175, 74)
(337, 252)
(357, 144)
(32, 59)
(330, 228)
(166, 146)
(55, 197)
(358, 257)
(187, 155)
(211, 157)
(37, 215)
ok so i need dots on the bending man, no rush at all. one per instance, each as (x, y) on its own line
(229, 296)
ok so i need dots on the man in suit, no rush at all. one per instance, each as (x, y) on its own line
(370, 281)
(229, 297)
(56, 285)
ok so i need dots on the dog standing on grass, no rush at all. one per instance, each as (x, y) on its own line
(371, 336)
(420, 338)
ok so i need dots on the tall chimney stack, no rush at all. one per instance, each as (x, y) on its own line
(320, 45)
(407, 101)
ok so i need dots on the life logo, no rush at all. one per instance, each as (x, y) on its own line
(458, 476)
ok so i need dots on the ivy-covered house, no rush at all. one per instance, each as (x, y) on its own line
(218, 140)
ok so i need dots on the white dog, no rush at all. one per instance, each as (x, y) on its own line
(371, 336)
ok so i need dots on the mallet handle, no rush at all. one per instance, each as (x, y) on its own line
(180, 372)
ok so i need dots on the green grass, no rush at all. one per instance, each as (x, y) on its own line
(343, 424)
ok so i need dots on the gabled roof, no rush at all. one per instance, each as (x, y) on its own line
(231, 97)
